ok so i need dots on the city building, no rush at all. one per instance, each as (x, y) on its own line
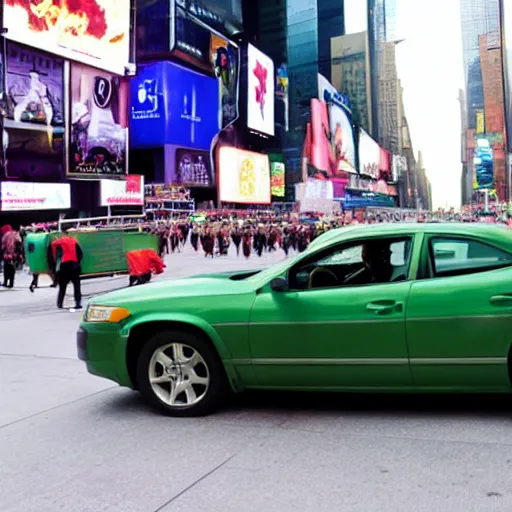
(390, 111)
(350, 74)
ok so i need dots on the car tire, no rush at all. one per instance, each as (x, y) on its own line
(154, 368)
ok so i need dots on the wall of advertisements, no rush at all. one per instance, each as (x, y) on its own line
(260, 91)
(23, 196)
(35, 123)
(244, 177)
(96, 32)
(99, 122)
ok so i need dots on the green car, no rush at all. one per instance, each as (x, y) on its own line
(383, 308)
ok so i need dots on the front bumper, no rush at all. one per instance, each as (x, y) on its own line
(103, 349)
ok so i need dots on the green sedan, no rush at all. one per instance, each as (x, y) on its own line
(392, 308)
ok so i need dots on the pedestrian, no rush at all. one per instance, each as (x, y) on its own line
(67, 255)
(11, 252)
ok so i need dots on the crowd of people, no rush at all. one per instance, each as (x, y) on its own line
(212, 233)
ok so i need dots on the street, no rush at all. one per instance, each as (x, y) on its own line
(76, 443)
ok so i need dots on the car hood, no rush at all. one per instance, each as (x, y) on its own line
(200, 286)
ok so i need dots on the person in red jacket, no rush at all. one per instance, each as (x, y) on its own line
(67, 256)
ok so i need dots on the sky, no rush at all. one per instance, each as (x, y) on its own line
(430, 67)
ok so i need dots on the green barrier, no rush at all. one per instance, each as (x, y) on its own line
(104, 251)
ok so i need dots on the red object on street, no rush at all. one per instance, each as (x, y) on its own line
(143, 262)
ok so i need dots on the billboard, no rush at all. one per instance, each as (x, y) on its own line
(277, 179)
(342, 141)
(129, 192)
(483, 163)
(244, 177)
(99, 123)
(170, 104)
(225, 62)
(34, 125)
(260, 91)
(23, 196)
(369, 155)
(193, 168)
(94, 32)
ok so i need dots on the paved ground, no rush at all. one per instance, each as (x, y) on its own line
(75, 443)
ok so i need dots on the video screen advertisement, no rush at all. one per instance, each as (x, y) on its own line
(94, 32)
(128, 192)
(483, 163)
(369, 156)
(244, 177)
(277, 179)
(183, 117)
(331, 147)
(23, 196)
(260, 92)
(99, 123)
(34, 126)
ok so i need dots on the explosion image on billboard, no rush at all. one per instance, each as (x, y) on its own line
(95, 32)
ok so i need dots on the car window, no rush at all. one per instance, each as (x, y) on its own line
(458, 256)
(371, 261)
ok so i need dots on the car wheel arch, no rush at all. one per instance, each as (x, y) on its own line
(142, 330)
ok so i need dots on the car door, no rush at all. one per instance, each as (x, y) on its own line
(344, 336)
(459, 317)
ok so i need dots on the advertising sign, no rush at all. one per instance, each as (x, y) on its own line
(282, 95)
(34, 124)
(277, 179)
(483, 163)
(480, 122)
(23, 196)
(129, 192)
(342, 140)
(186, 114)
(94, 32)
(193, 168)
(99, 133)
(260, 93)
(369, 155)
(329, 94)
(224, 58)
(244, 177)
(399, 166)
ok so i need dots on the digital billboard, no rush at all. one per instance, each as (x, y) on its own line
(129, 192)
(170, 104)
(483, 163)
(244, 177)
(342, 140)
(99, 122)
(369, 155)
(225, 62)
(260, 91)
(23, 196)
(34, 126)
(193, 168)
(277, 179)
(94, 32)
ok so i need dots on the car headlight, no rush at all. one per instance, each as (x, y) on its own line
(105, 314)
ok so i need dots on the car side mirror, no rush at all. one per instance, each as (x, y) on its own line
(279, 284)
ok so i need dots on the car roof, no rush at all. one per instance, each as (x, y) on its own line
(494, 233)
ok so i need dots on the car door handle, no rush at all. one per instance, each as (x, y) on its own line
(384, 307)
(503, 300)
